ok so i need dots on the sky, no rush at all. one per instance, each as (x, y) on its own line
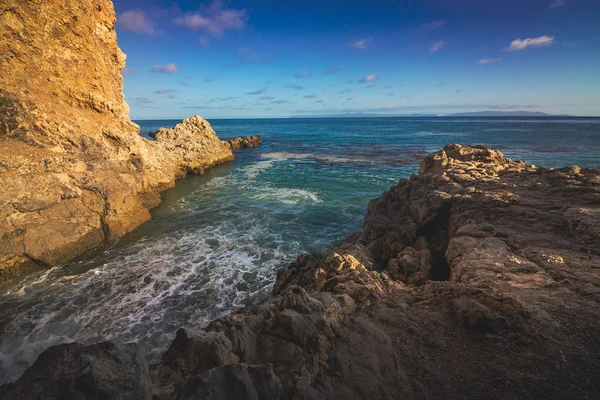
(284, 58)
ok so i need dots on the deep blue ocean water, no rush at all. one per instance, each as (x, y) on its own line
(215, 243)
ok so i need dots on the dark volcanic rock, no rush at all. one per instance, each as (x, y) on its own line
(74, 371)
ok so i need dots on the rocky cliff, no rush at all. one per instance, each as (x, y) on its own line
(74, 170)
(477, 278)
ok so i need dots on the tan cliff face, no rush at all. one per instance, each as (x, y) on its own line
(74, 170)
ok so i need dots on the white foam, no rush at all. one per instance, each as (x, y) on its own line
(288, 196)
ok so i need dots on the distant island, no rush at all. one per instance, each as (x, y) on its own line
(417, 115)
(505, 114)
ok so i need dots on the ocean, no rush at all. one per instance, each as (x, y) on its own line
(215, 243)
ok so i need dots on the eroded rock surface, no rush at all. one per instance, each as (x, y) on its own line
(74, 170)
(477, 278)
(244, 142)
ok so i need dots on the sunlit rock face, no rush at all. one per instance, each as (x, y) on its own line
(74, 170)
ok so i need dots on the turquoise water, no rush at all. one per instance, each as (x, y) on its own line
(215, 243)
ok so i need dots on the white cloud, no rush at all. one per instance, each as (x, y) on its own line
(135, 21)
(215, 19)
(485, 61)
(436, 46)
(361, 43)
(432, 25)
(519, 44)
(369, 78)
(302, 74)
(165, 69)
(558, 3)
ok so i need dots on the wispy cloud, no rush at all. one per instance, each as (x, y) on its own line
(128, 71)
(436, 46)
(245, 56)
(204, 42)
(266, 97)
(310, 96)
(292, 86)
(361, 43)
(143, 100)
(519, 44)
(214, 18)
(256, 92)
(558, 3)
(280, 102)
(302, 74)
(184, 83)
(220, 99)
(135, 21)
(165, 91)
(432, 25)
(486, 61)
(165, 69)
(368, 78)
(334, 69)
(345, 91)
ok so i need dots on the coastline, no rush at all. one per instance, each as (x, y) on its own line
(375, 318)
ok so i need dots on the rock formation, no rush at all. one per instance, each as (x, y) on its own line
(74, 170)
(244, 142)
(477, 278)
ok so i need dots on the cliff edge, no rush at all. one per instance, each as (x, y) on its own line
(477, 278)
(74, 170)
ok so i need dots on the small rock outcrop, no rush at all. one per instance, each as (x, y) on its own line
(244, 142)
(74, 170)
(477, 278)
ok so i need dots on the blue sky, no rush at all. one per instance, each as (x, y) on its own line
(278, 58)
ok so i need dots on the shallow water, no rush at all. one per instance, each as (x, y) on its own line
(215, 243)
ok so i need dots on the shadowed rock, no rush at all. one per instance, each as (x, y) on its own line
(75, 371)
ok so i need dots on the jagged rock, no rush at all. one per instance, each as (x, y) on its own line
(74, 371)
(74, 170)
(191, 354)
(478, 278)
(244, 142)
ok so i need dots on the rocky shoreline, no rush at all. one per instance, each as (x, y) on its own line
(477, 278)
(75, 171)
